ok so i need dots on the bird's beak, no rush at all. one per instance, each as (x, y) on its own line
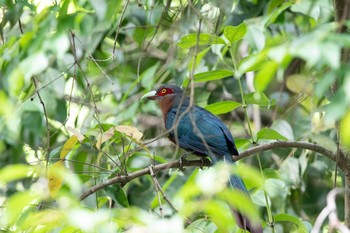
(152, 95)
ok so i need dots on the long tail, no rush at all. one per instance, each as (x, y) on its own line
(242, 221)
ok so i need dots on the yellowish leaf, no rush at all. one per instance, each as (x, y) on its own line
(55, 177)
(76, 133)
(298, 83)
(68, 146)
(132, 132)
(104, 137)
(129, 131)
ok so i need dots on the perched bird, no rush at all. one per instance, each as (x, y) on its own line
(200, 132)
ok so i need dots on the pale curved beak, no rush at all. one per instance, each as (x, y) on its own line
(152, 95)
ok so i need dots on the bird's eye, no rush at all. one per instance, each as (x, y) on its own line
(164, 91)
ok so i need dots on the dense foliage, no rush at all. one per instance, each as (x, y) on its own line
(72, 75)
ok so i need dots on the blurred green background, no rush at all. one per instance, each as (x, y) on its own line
(72, 71)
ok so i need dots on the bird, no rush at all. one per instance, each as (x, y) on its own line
(200, 132)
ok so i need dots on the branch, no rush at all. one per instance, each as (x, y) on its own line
(200, 163)
(283, 144)
(145, 171)
(159, 191)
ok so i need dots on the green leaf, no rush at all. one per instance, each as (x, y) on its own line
(15, 172)
(241, 202)
(17, 206)
(241, 142)
(117, 194)
(258, 98)
(270, 173)
(201, 225)
(309, 8)
(218, 213)
(27, 92)
(16, 82)
(330, 54)
(47, 219)
(264, 77)
(148, 76)
(277, 12)
(141, 33)
(198, 59)
(256, 36)
(276, 188)
(290, 218)
(284, 128)
(251, 63)
(34, 64)
(270, 134)
(234, 34)
(345, 134)
(290, 171)
(190, 40)
(209, 76)
(252, 177)
(190, 189)
(222, 107)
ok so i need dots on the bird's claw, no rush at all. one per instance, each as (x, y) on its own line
(203, 162)
(181, 159)
(181, 167)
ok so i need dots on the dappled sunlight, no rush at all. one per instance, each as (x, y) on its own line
(253, 95)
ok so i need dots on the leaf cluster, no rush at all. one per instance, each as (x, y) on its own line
(72, 74)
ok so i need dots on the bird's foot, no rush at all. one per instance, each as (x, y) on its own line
(205, 161)
(181, 161)
(181, 166)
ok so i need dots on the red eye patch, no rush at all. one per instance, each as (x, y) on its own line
(164, 91)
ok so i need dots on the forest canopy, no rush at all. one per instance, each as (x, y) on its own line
(80, 151)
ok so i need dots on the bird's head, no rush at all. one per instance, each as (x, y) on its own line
(164, 92)
(167, 96)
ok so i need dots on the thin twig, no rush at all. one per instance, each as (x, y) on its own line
(57, 78)
(46, 121)
(96, 115)
(331, 211)
(20, 26)
(165, 197)
(90, 57)
(143, 47)
(157, 186)
(118, 28)
(144, 41)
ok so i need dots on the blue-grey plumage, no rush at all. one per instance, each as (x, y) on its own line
(202, 133)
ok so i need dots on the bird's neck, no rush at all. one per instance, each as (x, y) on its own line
(165, 104)
(171, 101)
